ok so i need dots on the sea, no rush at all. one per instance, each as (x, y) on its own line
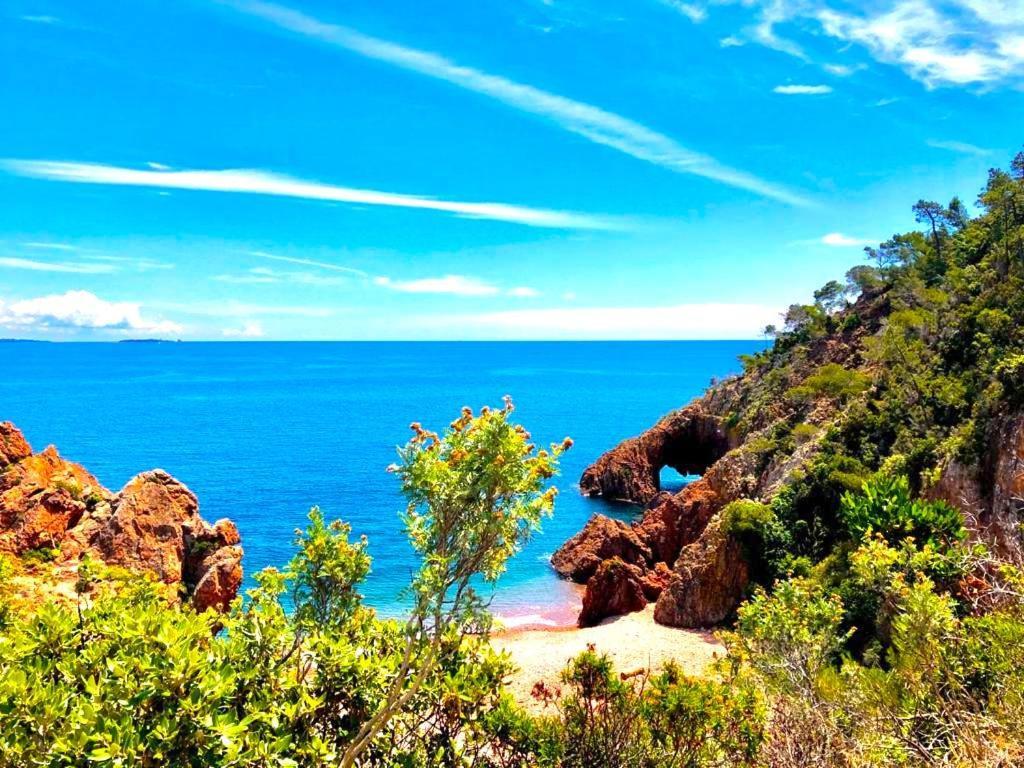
(262, 431)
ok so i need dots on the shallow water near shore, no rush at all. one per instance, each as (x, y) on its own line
(262, 431)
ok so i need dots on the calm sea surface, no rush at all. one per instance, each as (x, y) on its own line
(262, 431)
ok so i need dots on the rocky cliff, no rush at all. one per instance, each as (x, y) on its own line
(53, 513)
(809, 418)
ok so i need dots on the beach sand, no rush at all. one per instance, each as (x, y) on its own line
(634, 642)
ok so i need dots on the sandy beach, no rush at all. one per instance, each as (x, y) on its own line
(634, 642)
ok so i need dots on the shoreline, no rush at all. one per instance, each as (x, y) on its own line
(634, 642)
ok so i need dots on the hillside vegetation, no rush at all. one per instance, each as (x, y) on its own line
(883, 621)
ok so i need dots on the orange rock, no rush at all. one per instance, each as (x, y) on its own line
(152, 525)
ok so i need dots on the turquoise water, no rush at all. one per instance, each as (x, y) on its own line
(262, 431)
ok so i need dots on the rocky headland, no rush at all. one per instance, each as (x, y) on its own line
(750, 437)
(54, 513)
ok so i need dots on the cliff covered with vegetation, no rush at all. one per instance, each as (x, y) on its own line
(911, 372)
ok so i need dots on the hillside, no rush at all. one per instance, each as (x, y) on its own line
(913, 367)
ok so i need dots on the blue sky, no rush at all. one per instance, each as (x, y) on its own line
(523, 169)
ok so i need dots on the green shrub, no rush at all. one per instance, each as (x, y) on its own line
(885, 506)
(832, 381)
(765, 541)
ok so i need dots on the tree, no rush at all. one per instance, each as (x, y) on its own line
(933, 214)
(474, 497)
(831, 296)
(863, 279)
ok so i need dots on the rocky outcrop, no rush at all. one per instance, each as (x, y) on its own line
(708, 581)
(601, 539)
(615, 588)
(991, 493)
(689, 441)
(152, 525)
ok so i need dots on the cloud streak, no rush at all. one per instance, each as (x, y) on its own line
(34, 265)
(592, 123)
(802, 90)
(257, 182)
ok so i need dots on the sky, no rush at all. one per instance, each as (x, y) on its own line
(525, 169)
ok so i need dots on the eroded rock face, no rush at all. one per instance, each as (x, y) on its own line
(689, 441)
(991, 494)
(708, 582)
(152, 525)
(615, 588)
(601, 539)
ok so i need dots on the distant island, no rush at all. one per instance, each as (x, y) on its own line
(149, 341)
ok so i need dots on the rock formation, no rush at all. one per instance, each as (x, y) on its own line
(741, 436)
(50, 504)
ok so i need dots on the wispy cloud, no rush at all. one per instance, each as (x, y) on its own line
(81, 310)
(802, 90)
(457, 285)
(51, 246)
(938, 45)
(954, 42)
(839, 240)
(311, 263)
(681, 321)
(264, 183)
(262, 275)
(524, 292)
(692, 11)
(40, 19)
(960, 147)
(842, 70)
(592, 123)
(33, 265)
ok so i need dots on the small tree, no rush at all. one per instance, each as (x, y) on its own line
(474, 496)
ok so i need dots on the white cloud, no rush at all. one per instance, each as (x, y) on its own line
(886, 101)
(683, 321)
(938, 42)
(802, 90)
(81, 310)
(569, 296)
(457, 285)
(251, 329)
(592, 123)
(40, 19)
(841, 70)
(933, 43)
(78, 268)
(960, 147)
(524, 292)
(839, 240)
(732, 41)
(263, 183)
(692, 11)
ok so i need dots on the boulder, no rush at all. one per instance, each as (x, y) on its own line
(13, 446)
(601, 538)
(615, 588)
(709, 580)
(152, 525)
(42, 496)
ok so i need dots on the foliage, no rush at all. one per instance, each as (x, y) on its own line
(832, 381)
(127, 677)
(766, 542)
(885, 506)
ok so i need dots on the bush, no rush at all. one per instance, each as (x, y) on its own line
(885, 506)
(832, 381)
(765, 541)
